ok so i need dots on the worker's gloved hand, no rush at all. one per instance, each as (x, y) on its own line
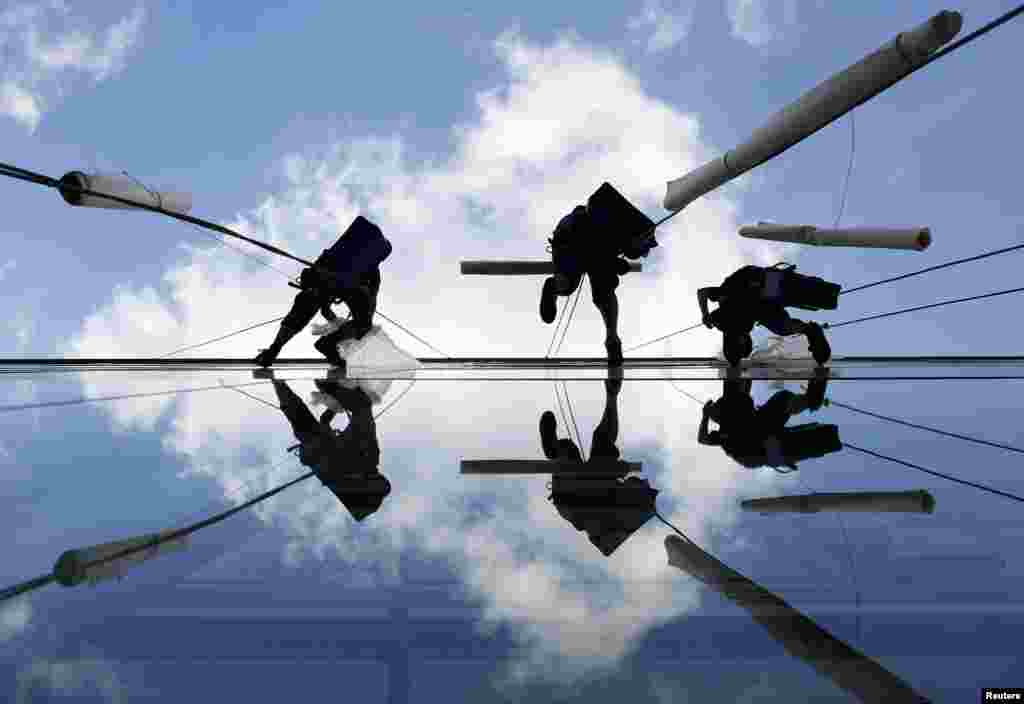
(708, 405)
(621, 266)
(708, 322)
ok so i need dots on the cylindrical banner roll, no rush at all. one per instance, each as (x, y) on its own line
(112, 559)
(861, 502)
(916, 238)
(122, 187)
(517, 268)
(818, 107)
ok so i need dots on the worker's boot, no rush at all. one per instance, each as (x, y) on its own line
(548, 437)
(266, 357)
(820, 349)
(816, 393)
(548, 306)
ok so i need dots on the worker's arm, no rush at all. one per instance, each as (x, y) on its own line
(703, 295)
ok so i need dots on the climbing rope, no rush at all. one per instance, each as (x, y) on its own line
(849, 172)
(224, 337)
(664, 337)
(926, 307)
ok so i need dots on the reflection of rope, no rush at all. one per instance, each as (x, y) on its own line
(568, 401)
(968, 438)
(935, 474)
(681, 534)
(397, 399)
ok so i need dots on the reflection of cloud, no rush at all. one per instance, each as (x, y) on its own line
(759, 22)
(566, 117)
(44, 45)
(14, 617)
(667, 25)
(69, 678)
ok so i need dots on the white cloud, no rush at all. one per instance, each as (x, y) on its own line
(667, 25)
(70, 678)
(15, 616)
(45, 46)
(566, 117)
(759, 22)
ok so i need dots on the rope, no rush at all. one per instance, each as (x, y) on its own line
(968, 438)
(994, 252)
(935, 474)
(849, 172)
(568, 322)
(411, 334)
(223, 337)
(254, 398)
(686, 393)
(572, 415)
(554, 333)
(917, 308)
(664, 337)
(561, 409)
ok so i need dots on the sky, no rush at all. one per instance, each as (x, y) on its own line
(466, 133)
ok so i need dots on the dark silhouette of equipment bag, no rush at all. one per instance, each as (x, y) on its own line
(628, 230)
(809, 440)
(809, 292)
(361, 248)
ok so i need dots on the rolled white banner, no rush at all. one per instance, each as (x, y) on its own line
(916, 238)
(818, 107)
(121, 186)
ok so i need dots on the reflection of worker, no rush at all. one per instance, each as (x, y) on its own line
(348, 272)
(345, 461)
(757, 295)
(592, 240)
(756, 437)
(598, 497)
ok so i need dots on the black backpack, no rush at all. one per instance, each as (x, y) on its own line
(360, 249)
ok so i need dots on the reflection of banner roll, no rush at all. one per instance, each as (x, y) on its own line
(917, 238)
(802, 638)
(105, 561)
(122, 187)
(864, 501)
(516, 267)
(821, 105)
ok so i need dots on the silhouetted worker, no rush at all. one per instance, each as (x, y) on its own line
(592, 240)
(598, 499)
(758, 437)
(348, 272)
(345, 461)
(758, 295)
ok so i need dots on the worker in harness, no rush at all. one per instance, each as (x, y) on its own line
(758, 436)
(345, 461)
(758, 295)
(594, 239)
(348, 272)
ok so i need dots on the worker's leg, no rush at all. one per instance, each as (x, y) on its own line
(776, 319)
(304, 309)
(602, 443)
(561, 284)
(304, 423)
(602, 291)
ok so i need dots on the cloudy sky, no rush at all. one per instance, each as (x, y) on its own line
(465, 133)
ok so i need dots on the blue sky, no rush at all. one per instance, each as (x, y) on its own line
(466, 133)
